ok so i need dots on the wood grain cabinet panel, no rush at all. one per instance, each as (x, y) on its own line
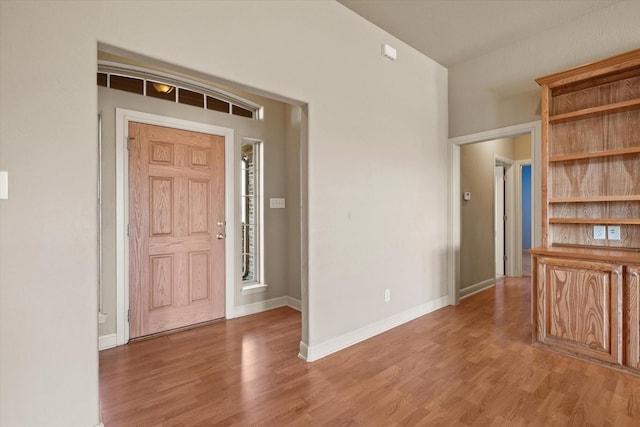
(632, 316)
(580, 307)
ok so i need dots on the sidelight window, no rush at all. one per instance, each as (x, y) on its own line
(251, 212)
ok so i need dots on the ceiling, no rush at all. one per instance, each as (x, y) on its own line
(453, 31)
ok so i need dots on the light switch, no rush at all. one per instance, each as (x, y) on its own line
(4, 185)
(276, 203)
(613, 232)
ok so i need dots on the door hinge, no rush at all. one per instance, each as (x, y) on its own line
(504, 218)
(504, 257)
(129, 315)
(128, 229)
(129, 139)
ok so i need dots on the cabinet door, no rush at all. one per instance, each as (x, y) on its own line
(632, 316)
(579, 307)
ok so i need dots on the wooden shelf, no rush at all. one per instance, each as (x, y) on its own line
(594, 199)
(600, 110)
(595, 154)
(602, 221)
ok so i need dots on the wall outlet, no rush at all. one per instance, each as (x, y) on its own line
(387, 295)
(613, 232)
(599, 232)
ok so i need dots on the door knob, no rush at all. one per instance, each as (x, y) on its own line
(634, 274)
(221, 236)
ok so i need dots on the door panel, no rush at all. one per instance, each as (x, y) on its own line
(176, 200)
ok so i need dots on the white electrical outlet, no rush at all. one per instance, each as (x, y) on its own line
(387, 295)
(613, 232)
(599, 232)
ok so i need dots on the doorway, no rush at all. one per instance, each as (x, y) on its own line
(285, 277)
(458, 255)
(124, 292)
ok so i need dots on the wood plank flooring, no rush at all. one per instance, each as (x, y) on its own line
(470, 365)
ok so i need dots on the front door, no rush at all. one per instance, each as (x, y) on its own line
(176, 216)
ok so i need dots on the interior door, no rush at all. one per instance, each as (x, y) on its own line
(176, 215)
(499, 219)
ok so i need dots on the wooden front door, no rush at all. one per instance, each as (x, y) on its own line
(176, 216)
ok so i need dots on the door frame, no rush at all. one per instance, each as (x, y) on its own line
(518, 214)
(455, 196)
(123, 117)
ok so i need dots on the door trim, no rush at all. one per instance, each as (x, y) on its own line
(123, 117)
(518, 214)
(533, 128)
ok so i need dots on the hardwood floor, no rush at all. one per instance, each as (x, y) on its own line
(526, 263)
(470, 365)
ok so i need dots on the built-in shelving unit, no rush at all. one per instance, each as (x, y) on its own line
(591, 153)
(585, 281)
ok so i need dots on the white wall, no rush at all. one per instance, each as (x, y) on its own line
(498, 89)
(377, 171)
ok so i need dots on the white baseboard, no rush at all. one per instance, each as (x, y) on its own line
(477, 287)
(270, 304)
(107, 341)
(304, 351)
(296, 304)
(315, 352)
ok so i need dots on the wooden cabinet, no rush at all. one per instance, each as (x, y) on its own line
(585, 287)
(632, 316)
(579, 306)
(586, 303)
